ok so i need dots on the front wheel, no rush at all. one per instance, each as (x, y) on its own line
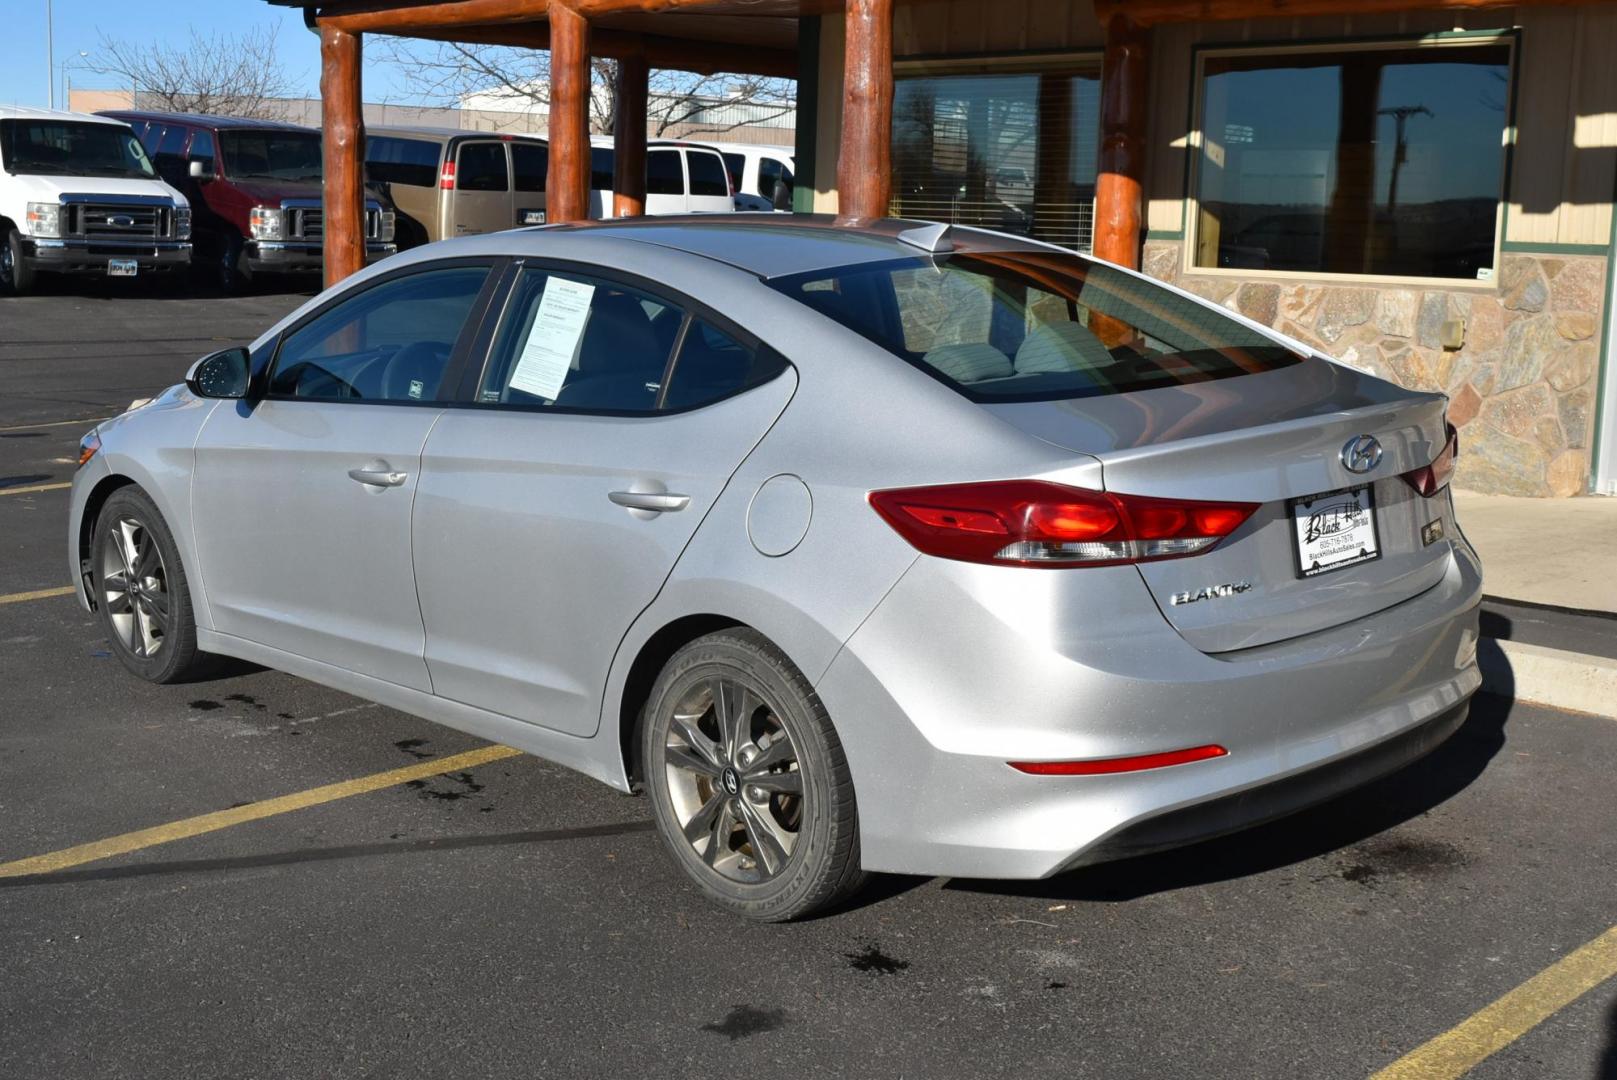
(16, 275)
(748, 781)
(141, 590)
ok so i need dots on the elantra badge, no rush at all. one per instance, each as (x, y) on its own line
(1210, 592)
(1361, 454)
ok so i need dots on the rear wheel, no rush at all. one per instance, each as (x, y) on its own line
(16, 275)
(141, 591)
(749, 785)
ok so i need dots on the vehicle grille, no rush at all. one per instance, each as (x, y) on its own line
(309, 223)
(104, 221)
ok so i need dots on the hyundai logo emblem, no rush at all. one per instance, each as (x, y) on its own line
(1361, 454)
(121, 221)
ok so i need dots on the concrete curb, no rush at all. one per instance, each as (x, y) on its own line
(1553, 677)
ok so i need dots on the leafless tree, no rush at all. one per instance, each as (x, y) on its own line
(221, 74)
(445, 73)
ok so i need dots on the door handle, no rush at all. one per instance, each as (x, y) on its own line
(655, 501)
(378, 477)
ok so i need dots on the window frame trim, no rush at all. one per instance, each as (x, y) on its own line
(1510, 37)
(495, 315)
(459, 354)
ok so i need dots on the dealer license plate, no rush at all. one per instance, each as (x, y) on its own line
(1335, 530)
(122, 267)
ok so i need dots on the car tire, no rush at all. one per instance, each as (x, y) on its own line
(150, 625)
(749, 785)
(16, 276)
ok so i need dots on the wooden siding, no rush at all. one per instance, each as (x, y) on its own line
(953, 27)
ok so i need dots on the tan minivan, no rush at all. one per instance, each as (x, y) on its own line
(446, 182)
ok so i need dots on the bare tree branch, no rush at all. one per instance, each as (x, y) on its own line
(221, 74)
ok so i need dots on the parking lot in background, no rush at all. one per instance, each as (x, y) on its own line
(499, 916)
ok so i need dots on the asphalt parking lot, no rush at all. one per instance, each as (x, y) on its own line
(509, 918)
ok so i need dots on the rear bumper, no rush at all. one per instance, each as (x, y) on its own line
(964, 668)
(293, 256)
(82, 256)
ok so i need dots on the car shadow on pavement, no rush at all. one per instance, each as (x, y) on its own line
(326, 854)
(1346, 820)
(1606, 1067)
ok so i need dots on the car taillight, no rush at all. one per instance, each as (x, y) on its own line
(1430, 479)
(1111, 766)
(446, 178)
(1039, 523)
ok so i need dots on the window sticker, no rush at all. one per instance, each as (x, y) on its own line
(417, 387)
(553, 340)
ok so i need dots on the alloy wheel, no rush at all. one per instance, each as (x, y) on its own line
(734, 780)
(134, 588)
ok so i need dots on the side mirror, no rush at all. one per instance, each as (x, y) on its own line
(200, 171)
(223, 374)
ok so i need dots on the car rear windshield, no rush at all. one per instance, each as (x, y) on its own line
(272, 155)
(1035, 325)
(67, 148)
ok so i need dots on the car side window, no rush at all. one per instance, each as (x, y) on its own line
(388, 342)
(531, 163)
(712, 365)
(202, 148)
(707, 173)
(482, 168)
(664, 173)
(602, 164)
(576, 342)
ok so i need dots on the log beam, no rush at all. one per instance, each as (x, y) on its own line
(1152, 12)
(1119, 187)
(864, 168)
(664, 53)
(629, 138)
(343, 124)
(567, 188)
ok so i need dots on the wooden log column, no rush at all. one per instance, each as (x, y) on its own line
(567, 189)
(1119, 188)
(865, 167)
(629, 138)
(344, 149)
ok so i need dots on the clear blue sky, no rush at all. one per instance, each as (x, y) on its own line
(23, 76)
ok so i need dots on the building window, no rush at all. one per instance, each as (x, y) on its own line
(1383, 160)
(1006, 145)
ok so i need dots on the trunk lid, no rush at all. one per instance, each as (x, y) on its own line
(1266, 438)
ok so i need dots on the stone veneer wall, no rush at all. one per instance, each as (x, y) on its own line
(1521, 389)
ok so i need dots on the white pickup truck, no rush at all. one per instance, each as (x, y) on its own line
(78, 195)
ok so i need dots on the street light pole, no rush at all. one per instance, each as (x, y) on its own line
(50, 54)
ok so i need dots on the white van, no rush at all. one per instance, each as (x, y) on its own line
(761, 175)
(681, 178)
(79, 195)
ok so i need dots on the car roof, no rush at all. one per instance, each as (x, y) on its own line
(754, 149)
(204, 120)
(779, 245)
(24, 112)
(447, 133)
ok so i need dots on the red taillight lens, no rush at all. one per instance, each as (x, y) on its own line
(1431, 479)
(1038, 523)
(1105, 766)
(446, 178)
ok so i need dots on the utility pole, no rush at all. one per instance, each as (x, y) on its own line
(1400, 115)
(50, 55)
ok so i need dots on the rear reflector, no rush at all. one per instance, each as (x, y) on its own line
(446, 178)
(1431, 479)
(1105, 766)
(1038, 523)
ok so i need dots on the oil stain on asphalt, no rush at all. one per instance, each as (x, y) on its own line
(205, 705)
(872, 961)
(466, 787)
(745, 1021)
(1390, 858)
(411, 747)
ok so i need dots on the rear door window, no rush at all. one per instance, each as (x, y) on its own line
(482, 167)
(530, 164)
(601, 168)
(736, 166)
(664, 173)
(707, 173)
(413, 162)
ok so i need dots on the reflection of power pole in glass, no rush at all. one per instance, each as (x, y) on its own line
(1400, 115)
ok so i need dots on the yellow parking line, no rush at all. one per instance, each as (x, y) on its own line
(56, 423)
(36, 487)
(1461, 1049)
(224, 819)
(37, 594)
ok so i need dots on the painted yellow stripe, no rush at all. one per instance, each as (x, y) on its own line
(56, 423)
(37, 594)
(224, 819)
(1459, 1050)
(36, 487)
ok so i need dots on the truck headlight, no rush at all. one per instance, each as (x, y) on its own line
(182, 223)
(45, 220)
(267, 223)
(389, 226)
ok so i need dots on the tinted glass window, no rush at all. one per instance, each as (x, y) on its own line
(402, 161)
(736, 166)
(664, 175)
(202, 147)
(391, 342)
(775, 183)
(530, 163)
(580, 343)
(1035, 325)
(272, 155)
(1368, 161)
(713, 365)
(49, 147)
(601, 166)
(707, 173)
(172, 143)
(482, 168)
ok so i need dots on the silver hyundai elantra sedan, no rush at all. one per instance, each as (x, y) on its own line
(892, 547)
